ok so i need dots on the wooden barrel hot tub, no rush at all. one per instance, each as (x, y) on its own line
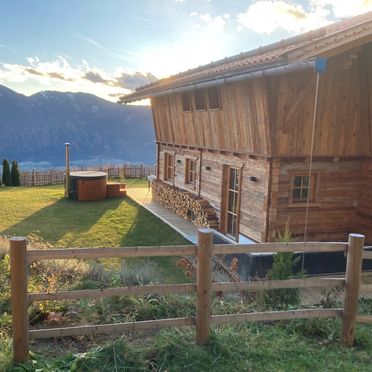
(88, 185)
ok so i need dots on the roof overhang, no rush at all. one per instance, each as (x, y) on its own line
(253, 73)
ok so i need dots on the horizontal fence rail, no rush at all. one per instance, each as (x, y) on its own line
(92, 253)
(185, 250)
(21, 257)
(364, 319)
(41, 177)
(268, 248)
(367, 255)
(188, 288)
(182, 322)
(270, 316)
(92, 330)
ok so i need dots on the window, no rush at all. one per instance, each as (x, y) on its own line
(199, 96)
(232, 203)
(168, 167)
(214, 102)
(186, 101)
(301, 188)
(203, 99)
(190, 175)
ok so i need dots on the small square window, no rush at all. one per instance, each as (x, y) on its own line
(301, 187)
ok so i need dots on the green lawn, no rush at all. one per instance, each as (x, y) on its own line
(43, 211)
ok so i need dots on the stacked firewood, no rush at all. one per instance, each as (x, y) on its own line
(185, 204)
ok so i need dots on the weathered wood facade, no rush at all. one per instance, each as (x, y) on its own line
(250, 155)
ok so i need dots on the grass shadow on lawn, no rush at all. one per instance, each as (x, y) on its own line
(62, 218)
(150, 229)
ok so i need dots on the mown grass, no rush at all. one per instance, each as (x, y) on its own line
(44, 212)
(112, 222)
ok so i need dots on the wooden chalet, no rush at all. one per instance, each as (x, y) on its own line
(236, 138)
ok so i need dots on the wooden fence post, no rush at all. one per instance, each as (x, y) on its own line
(352, 284)
(18, 288)
(204, 282)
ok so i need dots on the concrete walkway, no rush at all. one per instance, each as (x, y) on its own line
(186, 228)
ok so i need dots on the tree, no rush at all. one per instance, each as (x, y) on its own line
(15, 174)
(6, 178)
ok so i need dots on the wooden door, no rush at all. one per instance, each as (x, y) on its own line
(230, 201)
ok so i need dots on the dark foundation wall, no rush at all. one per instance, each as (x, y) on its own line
(334, 212)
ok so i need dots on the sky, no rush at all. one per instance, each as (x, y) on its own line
(108, 47)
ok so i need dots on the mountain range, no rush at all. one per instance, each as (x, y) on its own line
(35, 128)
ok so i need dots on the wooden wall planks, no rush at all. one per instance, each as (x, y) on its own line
(334, 213)
(254, 195)
(239, 126)
(342, 126)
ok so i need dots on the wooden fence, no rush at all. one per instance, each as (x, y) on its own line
(21, 257)
(56, 176)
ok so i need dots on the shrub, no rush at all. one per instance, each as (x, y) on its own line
(6, 178)
(282, 269)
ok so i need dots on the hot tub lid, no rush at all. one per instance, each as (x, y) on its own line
(88, 174)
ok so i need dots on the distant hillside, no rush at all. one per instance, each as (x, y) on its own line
(34, 129)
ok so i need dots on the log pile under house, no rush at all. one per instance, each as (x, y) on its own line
(268, 141)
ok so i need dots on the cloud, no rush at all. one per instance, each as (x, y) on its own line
(61, 75)
(268, 16)
(90, 41)
(344, 8)
(213, 23)
(94, 77)
(133, 80)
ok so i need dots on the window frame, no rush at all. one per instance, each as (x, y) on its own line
(169, 167)
(189, 99)
(226, 192)
(191, 181)
(203, 95)
(313, 185)
(218, 98)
